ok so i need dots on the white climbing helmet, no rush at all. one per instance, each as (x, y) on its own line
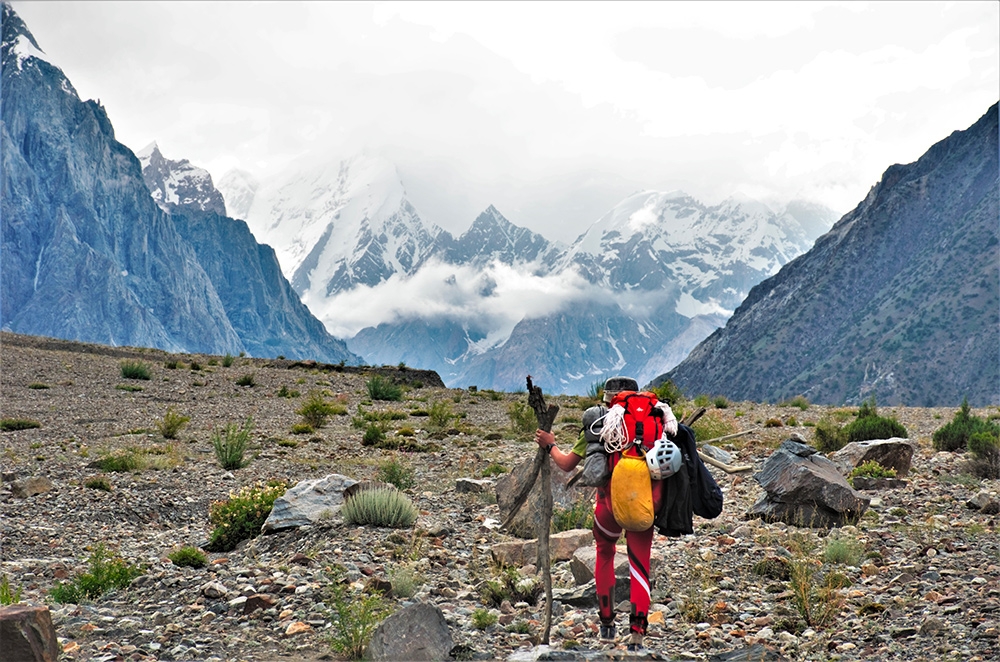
(663, 459)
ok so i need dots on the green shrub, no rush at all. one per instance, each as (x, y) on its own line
(799, 401)
(38, 386)
(124, 460)
(195, 366)
(494, 469)
(227, 360)
(841, 550)
(872, 469)
(373, 435)
(712, 426)
(230, 444)
(353, 617)
(720, 402)
(522, 417)
(315, 410)
(171, 423)
(440, 414)
(596, 390)
(98, 483)
(396, 473)
(405, 581)
(285, 392)
(869, 425)
(380, 388)
(509, 585)
(134, 370)
(956, 434)
(579, 516)
(240, 517)
(107, 571)
(829, 436)
(380, 507)
(773, 423)
(302, 428)
(170, 365)
(985, 449)
(668, 392)
(483, 618)
(188, 557)
(13, 424)
(701, 400)
(246, 380)
(8, 595)
(130, 388)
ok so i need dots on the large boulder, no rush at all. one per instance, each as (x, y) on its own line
(27, 634)
(28, 487)
(310, 501)
(895, 453)
(525, 523)
(805, 489)
(562, 545)
(416, 632)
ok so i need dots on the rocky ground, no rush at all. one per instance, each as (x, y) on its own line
(924, 584)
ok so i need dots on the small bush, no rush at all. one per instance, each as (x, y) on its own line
(869, 425)
(380, 507)
(316, 410)
(134, 370)
(380, 388)
(405, 581)
(227, 360)
(712, 426)
(188, 557)
(13, 424)
(288, 443)
(122, 461)
(668, 392)
(240, 517)
(829, 437)
(246, 380)
(230, 444)
(579, 516)
(396, 473)
(773, 423)
(483, 618)
(956, 434)
(302, 428)
(872, 469)
(107, 571)
(8, 594)
(171, 423)
(38, 386)
(511, 586)
(701, 400)
(522, 417)
(373, 435)
(285, 392)
(353, 617)
(440, 414)
(170, 365)
(985, 449)
(98, 483)
(195, 366)
(494, 469)
(799, 401)
(840, 550)
(720, 402)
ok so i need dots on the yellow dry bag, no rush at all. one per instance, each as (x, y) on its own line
(632, 494)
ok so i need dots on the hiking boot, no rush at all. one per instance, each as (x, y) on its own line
(635, 648)
(607, 631)
(635, 643)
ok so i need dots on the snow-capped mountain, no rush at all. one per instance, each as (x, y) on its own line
(494, 238)
(178, 183)
(238, 188)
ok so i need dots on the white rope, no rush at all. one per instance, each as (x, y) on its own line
(614, 434)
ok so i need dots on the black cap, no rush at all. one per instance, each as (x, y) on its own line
(615, 384)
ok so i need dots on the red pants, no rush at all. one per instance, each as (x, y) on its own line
(639, 543)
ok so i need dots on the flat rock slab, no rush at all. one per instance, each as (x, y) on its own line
(308, 502)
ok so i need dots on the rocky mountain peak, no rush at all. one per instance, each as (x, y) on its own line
(178, 183)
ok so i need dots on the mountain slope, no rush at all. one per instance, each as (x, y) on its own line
(178, 183)
(901, 299)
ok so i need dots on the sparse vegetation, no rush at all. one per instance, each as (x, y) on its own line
(872, 469)
(12, 424)
(483, 618)
(285, 392)
(440, 414)
(98, 483)
(380, 388)
(869, 425)
(579, 516)
(522, 418)
(171, 423)
(955, 435)
(240, 517)
(188, 557)
(107, 571)
(380, 507)
(396, 473)
(712, 425)
(38, 386)
(247, 380)
(668, 392)
(135, 370)
(354, 616)
(227, 360)
(230, 444)
(799, 401)
(316, 410)
(494, 469)
(510, 585)
(9, 595)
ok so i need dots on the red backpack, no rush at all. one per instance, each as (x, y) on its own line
(642, 425)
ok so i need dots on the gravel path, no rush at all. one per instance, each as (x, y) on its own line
(924, 585)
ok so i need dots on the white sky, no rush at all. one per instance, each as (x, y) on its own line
(553, 112)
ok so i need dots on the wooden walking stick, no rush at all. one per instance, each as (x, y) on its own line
(546, 415)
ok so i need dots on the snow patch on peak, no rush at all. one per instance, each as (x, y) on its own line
(146, 152)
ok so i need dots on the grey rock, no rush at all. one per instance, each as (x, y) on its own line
(416, 632)
(716, 453)
(863, 483)
(310, 501)
(473, 486)
(562, 547)
(984, 501)
(895, 453)
(27, 487)
(525, 523)
(805, 489)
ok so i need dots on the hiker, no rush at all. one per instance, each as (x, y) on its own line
(606, 529)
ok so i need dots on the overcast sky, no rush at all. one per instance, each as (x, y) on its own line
(551, 112)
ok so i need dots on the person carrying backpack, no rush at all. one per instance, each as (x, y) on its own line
(635, 428)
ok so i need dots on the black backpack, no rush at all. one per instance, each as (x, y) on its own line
(691, 491)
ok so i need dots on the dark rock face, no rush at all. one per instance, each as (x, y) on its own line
(178, 183)
(901, 299)
(417, 632)
(88, 255)
(525, 524)
(890, 453)
(805, 489)
(27, 634)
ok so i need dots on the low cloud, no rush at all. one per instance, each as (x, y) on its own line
(492, 299)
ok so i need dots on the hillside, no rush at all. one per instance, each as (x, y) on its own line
(900, 300)
(929, 581)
